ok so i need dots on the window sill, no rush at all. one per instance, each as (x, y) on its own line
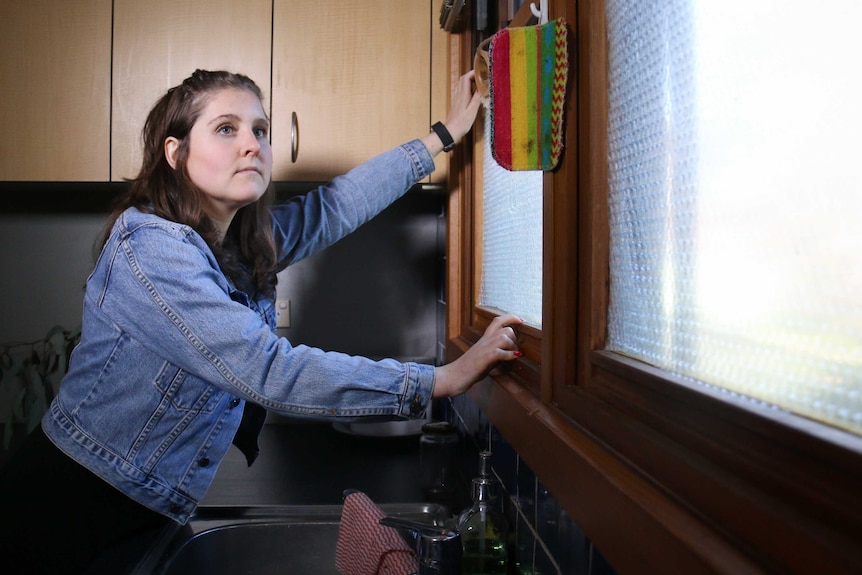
(652, 488)
(637, 525)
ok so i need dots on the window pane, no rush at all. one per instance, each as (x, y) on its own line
(511, 239)
(735, 197)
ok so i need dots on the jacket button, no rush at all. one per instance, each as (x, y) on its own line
(234, 402)
(203, 462)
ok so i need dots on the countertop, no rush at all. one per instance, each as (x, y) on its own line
(312, 464)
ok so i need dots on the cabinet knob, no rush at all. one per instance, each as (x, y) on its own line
(294, 137)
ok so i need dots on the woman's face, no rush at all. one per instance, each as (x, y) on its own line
(229, 158)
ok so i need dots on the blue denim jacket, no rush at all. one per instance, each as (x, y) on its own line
(171, 349)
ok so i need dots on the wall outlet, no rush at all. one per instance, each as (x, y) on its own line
(282, 313)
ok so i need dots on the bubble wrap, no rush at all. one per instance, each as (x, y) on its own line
(735, 242)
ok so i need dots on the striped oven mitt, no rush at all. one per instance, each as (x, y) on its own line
(522, 73)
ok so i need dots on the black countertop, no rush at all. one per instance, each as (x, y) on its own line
(312, 464)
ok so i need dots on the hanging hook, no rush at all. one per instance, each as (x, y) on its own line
(541, 12)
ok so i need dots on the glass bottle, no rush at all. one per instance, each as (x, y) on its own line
(483, 528)
(437, 461)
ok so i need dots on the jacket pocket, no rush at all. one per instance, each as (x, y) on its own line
(185, 391)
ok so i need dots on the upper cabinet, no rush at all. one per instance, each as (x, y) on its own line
(55, 71)
(359, 77)
(159, 43)
(351, 80)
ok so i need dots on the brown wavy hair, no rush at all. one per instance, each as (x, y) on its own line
(247, 254)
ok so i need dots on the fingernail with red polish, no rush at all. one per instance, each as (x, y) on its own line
(518, 353)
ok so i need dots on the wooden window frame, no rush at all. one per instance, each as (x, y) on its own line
(663, 475)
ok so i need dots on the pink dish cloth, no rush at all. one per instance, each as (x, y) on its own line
(365, 547)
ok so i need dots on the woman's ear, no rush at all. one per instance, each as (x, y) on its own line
(172, 147)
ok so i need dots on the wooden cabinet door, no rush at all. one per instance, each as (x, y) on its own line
(159, 43)
(55, 73)
(356, 74)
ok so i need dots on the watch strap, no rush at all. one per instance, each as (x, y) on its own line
(444, 135)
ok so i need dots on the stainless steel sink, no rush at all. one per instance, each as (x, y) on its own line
(264, 540)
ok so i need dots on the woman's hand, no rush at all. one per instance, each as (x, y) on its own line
(498, 343)
(462, 113)
(465, 105)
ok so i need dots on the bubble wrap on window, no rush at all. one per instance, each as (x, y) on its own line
(511, 239)
(734, 201)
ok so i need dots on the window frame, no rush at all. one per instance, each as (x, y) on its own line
(661, 473)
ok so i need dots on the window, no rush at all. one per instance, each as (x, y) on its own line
(657, 469)
(511, 224)
(734, 236)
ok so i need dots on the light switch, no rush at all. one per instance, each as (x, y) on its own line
(282, 313)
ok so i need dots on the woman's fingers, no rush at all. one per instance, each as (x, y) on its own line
(508, 336)
(465, 105)
(498, 343)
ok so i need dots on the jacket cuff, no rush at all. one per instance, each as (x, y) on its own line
(417, 396)
(423, 161)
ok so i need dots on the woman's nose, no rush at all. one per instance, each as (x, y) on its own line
(250, 144)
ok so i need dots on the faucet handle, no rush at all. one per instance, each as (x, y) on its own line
(438, 548)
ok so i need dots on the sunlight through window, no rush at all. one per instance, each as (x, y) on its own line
(511, 239)
(735, 197)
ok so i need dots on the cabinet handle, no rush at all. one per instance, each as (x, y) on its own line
(294, 137)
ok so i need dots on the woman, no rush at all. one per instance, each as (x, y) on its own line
(178, 357)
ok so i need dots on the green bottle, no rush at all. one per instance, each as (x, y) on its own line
(484, 529)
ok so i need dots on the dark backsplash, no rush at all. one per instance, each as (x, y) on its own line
(373, 293)
(547, 540)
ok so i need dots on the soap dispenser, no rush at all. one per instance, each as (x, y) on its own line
(484, 529)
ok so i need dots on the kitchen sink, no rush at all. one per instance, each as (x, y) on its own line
(264, 540)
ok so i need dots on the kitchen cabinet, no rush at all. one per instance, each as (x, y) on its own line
(55, 73)
(357, 79)
(158, 43)
(80, 77)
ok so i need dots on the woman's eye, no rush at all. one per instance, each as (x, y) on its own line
(260, 132)
(226, 129)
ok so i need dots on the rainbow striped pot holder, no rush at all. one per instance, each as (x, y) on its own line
(522, 75)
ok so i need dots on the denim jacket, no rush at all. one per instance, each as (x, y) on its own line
(171, 349)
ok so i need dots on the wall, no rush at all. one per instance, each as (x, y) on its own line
(373, 293)
(45, 260)
(48, 231)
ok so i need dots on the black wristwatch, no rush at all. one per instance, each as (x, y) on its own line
(444, 135)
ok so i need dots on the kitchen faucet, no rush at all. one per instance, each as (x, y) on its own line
(438, 548)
